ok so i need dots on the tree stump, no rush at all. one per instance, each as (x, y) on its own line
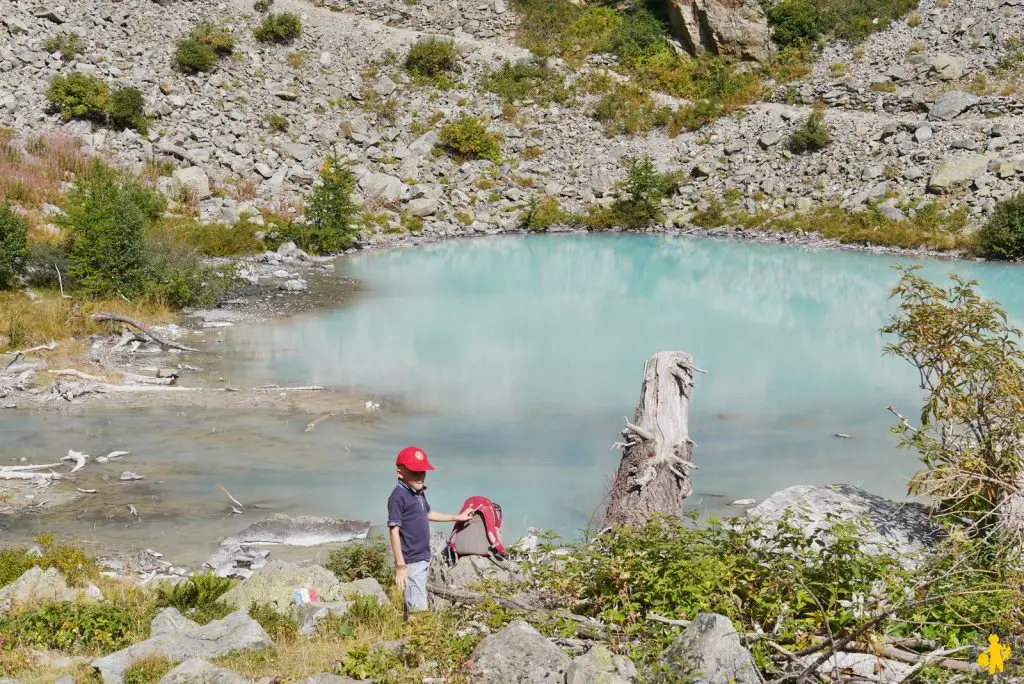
(654, 476)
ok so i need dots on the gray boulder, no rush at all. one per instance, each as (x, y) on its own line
(952, 105)
(895, 528)
(728, 28)
(469, 570)
(236, 632)
(424, 206)
(947, 67)
(198, 671)
(709, 652)
(309, 615)
(194, 181)
(38, 586)
(382, 186)
(302, 530)
(601, 666)
(957, 173)
(275, 583)
(170, 620)
(519, 654)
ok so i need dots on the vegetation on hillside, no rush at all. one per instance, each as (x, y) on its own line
(804, 22)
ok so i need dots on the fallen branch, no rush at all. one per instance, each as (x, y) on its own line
(105, 316)
(311, 425)
(230, 498)
(72, 373)
(22, 475)
(585, 627)
(936, 658)
(306, 388)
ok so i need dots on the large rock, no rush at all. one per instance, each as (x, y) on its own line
(38, 586)
(519, 654)
(236, 632)
(952, 105)
(601, 666)
(198, 671)
(947, 67)
(895, 528)
(170, 620)
(276, 582)
(729, 28)
(471, 569)
(302, 530)
(194, 181)
(957, 173)
(381, 186)
(709, 652)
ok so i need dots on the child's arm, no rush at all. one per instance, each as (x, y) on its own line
(401, 571)
(449, 517)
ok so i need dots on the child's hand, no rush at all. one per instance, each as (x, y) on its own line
(402, 577)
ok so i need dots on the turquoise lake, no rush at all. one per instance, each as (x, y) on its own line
(516, 360)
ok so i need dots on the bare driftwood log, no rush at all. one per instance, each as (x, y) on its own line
(654, 474)
(105, 316)
(584, 626)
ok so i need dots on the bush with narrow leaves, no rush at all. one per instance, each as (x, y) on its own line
(279, 27)
(79, 96)
(13, 246)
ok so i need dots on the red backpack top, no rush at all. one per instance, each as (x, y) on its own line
(480, 536)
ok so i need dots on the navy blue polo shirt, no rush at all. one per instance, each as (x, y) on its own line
(407, 510)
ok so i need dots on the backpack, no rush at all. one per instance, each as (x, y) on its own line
(480, 536)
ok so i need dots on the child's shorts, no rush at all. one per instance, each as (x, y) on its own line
(416, 587)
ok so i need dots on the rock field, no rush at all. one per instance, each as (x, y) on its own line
(925, 140)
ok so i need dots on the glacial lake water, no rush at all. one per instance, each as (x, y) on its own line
(516, 360)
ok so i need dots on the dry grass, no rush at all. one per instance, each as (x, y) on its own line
(299, 659)
(31, 173)
(27, 323)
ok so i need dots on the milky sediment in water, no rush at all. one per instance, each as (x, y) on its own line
(516, 360)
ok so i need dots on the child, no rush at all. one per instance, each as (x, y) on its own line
(409, 518)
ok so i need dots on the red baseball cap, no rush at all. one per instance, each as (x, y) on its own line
(414, 459)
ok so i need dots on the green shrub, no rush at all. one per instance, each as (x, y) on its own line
(332, 217)
(280, 627)
(629, 109)
(13, 246)
(541, 213)
(469, 138)
(68, 45)
(526, 80)
(796, 22)
(92, 628)
(79, 96)
(177, 277)
(262, 6)
(278, 122)
(432, 57)
(127, 110)
(644, 189)
(193, 57)
(105, 216)
(811, 135)
(1002, 236)
(694, 116)
(69, 559)
(197, 598)
(359, 560)
(42, 263)
(801, 22)
(218, 38)
(280, 27)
